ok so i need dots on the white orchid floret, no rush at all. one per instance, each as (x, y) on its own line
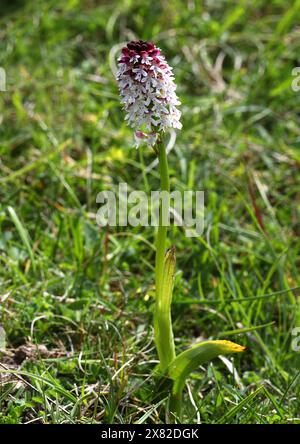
(147, 90)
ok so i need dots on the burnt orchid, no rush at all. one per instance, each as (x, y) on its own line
(148, 94)
(147, 90)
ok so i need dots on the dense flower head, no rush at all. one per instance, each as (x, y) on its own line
(147, 90)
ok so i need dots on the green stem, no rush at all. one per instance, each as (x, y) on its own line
(162, 319)
(162, 230)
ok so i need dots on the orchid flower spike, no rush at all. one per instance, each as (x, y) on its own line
(147, 91)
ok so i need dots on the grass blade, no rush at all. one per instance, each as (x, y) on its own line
(23, 233)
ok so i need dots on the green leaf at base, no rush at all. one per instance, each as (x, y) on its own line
(190, 359)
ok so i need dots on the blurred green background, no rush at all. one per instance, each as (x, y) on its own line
(76, 300)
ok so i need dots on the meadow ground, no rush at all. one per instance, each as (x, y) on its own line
(76, 299)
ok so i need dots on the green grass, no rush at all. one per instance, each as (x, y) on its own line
(86, 293)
